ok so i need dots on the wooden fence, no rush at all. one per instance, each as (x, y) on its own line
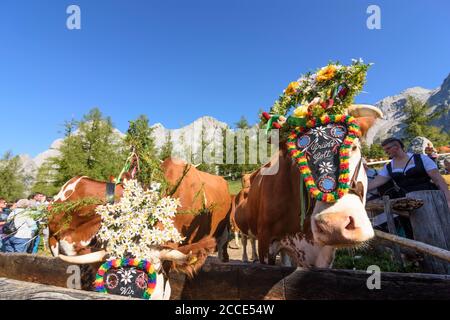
(236, 281)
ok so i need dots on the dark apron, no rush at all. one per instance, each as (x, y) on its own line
(414, 179)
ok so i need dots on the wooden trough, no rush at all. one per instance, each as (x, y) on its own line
(20, 273)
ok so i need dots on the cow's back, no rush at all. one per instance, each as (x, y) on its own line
(198, 190)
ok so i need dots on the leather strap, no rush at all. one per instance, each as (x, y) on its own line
(356, 187)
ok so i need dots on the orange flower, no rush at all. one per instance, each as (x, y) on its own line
(326, 73)
(292, 88)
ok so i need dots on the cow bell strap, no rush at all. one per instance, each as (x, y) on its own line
(354, 187)
(302, 203)
(110, 192)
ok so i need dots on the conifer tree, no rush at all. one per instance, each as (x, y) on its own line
(12, 178)
(90, 148)
(139, 139)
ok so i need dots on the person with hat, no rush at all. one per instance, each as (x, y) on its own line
(21, 227)
(408, 171)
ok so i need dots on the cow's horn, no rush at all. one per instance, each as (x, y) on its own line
(173, 255)
(364, 110)
(84, 259)
(197, 165)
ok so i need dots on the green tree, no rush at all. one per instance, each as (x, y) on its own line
(375, 151)
(242, 123)
(44, 180)
(94, 150)
(418, 122)
(167, 148)
(140, 139)
(12, 178)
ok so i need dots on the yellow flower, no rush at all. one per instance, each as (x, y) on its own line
(301, 111)
(326, 73)
(292, 88)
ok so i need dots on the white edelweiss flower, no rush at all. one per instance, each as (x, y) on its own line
(325, 167)
(155, 186)
(319, 131)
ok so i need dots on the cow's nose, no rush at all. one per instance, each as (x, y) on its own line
(337, 228)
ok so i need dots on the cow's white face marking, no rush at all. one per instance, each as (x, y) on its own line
(55, 250)
(67, 190)
(67, 248)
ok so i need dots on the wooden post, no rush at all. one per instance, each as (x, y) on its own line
(431, 225)
(391, 228)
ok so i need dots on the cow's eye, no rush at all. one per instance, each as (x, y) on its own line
(354, 148)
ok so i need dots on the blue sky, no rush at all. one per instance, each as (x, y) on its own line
(178, 60)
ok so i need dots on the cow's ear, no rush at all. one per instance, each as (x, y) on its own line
(365, 123)
(365, 115)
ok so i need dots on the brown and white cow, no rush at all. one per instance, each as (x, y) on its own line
(77, 243)
(239, 222)
(271, 210)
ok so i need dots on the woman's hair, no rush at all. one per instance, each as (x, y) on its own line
(390, 140)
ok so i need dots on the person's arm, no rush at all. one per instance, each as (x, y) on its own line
(440, 182)
(377, 181)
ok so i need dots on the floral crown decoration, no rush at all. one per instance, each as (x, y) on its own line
(319, 128)
(329, 90)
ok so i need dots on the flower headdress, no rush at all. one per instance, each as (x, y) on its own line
(330, 90)
(319, 127)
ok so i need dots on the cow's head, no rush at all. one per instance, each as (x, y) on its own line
(345, 222)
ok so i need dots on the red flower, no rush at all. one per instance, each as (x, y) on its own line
(342, 92)
(330, 103)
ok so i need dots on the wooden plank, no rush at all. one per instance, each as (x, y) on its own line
(392, 229)
(431, 225)
(44, 270)
(20, 290)
(416, 245)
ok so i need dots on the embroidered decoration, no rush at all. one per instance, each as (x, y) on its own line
(126, 277)
(338, 132)
(303, 142)
(327, 184)
(325, 158)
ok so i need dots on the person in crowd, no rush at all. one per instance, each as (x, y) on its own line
(446, 172)
(447, 165)
(23, 230)
(431, 152)
(410, 172)
(407, 172)
(3, 216)
(39, 201)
